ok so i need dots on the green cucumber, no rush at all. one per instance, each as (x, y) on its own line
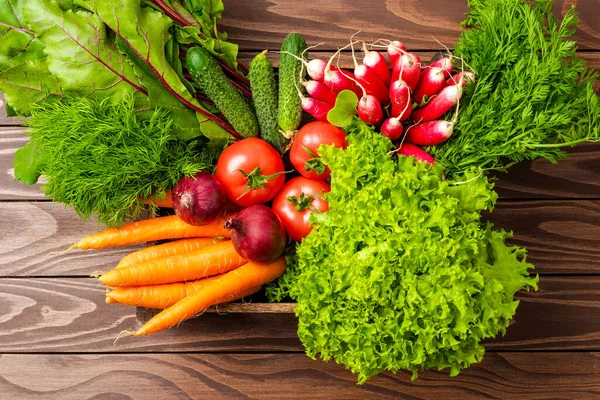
(290, 104)
(264, 94)
(213, 82)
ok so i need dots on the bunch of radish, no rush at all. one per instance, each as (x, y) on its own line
(407, 94)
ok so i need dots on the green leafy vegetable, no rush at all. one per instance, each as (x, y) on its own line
(400, 273)
(534, 95)
(80, 53)
(344, 110)
(29, 162)
(145, 33)
(100, 158)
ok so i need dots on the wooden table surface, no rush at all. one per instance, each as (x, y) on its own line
(57, 334)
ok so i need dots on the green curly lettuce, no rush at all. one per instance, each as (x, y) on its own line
(400, 273)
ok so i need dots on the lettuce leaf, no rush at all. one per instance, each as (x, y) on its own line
(400, 273)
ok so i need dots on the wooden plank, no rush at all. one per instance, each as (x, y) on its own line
(562, 237)
(32, 231)
(575, 177)
(417, 23)
(289, 376)
(70, 315)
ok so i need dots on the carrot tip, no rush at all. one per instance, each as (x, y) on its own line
(125, 332)
(52, 253)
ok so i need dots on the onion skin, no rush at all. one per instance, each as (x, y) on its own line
(257, 234)
(200, 199)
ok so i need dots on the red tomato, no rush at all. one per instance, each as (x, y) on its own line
(296, 201)
(303, 153)
(251, 171)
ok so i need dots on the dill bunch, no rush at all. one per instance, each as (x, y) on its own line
(101, 158)
(533, 96)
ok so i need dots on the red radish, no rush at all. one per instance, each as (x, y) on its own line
(430, 133)
(392, 128)
(467, 77)
(376, 61)
(400, 99)
(394, 50)
(317, 108)
(369, 110)
(316, 69)
(338, 80)
(319, 91)
(368, 79)
(445, 64)
(407, 67)
(445, 100)
(410, 150)
(430, 83)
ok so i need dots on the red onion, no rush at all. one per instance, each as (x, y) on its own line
(257, 234)
(200, 199)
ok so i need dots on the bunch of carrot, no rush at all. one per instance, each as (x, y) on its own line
(183, 277)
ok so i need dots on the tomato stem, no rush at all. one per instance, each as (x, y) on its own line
(303, 202)
(315, 163)
(256, 180)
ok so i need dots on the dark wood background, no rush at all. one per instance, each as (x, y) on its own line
(57, 335)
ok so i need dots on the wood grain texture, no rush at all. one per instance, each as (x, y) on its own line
(577, 176)
(69, 315)
(31, 231)
(562, 237)
(417, 23)
(289, 376)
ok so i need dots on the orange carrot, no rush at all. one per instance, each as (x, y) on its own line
(208, 261)
(166, 250)
(170, 227)
(163, 296)
(166, 202)
(236, 281)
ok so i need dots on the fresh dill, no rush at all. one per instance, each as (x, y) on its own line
(534, 95)
(101, 158)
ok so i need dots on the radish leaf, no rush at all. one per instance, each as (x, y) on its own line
(345, 109)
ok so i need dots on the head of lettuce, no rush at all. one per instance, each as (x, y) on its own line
(401, 273)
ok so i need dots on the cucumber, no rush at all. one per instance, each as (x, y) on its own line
(213, 82)
(264, 94)
(290, 104)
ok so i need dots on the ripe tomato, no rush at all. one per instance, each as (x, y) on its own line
(297, 200)
(251, 171)
(303, 153)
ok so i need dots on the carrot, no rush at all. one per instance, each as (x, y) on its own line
(166, 250)
(170, 227)
(236, 281)
(208, 261)
(166, 202)
(164, 296)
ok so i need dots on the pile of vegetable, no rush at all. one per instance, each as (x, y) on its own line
(143, 104)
